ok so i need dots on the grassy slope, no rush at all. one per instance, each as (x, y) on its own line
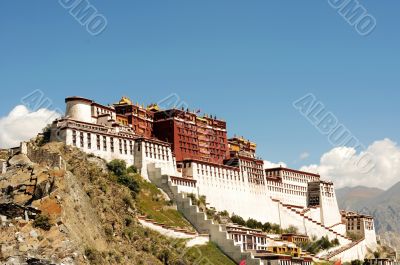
(152, 204)
(209, 254)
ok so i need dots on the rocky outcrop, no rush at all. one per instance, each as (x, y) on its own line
(29, 190)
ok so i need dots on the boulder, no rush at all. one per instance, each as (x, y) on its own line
(20, 160)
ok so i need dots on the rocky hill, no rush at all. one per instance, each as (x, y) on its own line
(80, 213)
(384, 206)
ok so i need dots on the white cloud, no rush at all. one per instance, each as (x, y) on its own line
(268, 164)
(21, 124)
(304, 155)
(340, 165)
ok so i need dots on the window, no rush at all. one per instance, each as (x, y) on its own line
(98, 141)
(104, 143)
(89, 140)
(81, 139)
(74, 138)
(112, 144)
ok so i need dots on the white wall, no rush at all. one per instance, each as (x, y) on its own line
(235, 196)
(314, 213)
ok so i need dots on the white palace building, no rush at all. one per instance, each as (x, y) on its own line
(239, 184)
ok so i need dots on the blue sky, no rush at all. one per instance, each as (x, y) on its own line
(243, 61)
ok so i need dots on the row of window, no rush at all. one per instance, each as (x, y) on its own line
(249, 238)
(156, 151)
(292, 176)
(219, 174)
(182, 131)
(124, 146)
(252, 164)
(99, 111)
(184, 183)
(287, 191)
(102, 143)
(352, 224)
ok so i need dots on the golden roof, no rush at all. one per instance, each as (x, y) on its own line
(153, 107)
(125, 100)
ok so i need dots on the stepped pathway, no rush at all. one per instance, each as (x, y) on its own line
(330, 254)
(306, 210)
(199, 220)
(310, 220)
(177, 232)
(336, 252)
(218, 233)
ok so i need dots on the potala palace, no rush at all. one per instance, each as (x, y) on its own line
(183, 152)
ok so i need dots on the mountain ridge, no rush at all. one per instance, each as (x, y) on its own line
(383, 205)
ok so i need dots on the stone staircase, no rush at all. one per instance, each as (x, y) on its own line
(218, 233)
(199, 220)
(338, 251)
(310, 222)
(346, 243)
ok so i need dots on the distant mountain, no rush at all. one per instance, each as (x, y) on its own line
(354, 198)
(384, 206)
(386, 209)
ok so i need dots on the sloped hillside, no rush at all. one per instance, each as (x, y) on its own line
(83, 215)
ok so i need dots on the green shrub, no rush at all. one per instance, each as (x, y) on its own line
(254, 224)
(129, 182)
(316, 246)
(117, 166)
(291, 230)
(195, 201)
(335, 242)
(93, 256)
(224, 213)
(202, 201)
(132, 169)
(45, 137)
(128, 221)
(238, 220)
(276, 229)
(128, 201)
(108, 231)
(43, 222)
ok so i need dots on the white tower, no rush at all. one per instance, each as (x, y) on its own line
(79, 109)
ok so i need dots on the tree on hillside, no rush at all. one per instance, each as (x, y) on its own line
(238, 220)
